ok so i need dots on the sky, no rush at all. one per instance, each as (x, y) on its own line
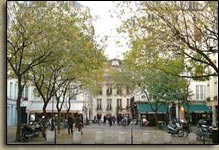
(105, 25)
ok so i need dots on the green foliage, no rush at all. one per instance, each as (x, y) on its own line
(172, 37)
(50, 44)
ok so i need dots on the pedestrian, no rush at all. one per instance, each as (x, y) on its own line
(78, 123)
(145, 122)
(95, 119)
(44, 128)
(99, 118)
(114, 119)
(70, 125)
(110, 120)
(104, 119)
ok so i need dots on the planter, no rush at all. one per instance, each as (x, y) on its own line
(215, 135)
(122, 138)
(99, 138)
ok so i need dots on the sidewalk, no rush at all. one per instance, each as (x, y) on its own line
(110, 135)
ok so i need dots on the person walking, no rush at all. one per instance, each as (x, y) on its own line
(78, 123)
(104, 119)
(70, 125)
(114, 119)
(110, 120)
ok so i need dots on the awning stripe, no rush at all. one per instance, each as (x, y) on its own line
(146, 108)
(197, 108)
(38, 107)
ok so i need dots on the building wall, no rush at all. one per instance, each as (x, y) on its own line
(113, 98)
(12, 93)
(212, 93)
(114, 64)
(198, 88)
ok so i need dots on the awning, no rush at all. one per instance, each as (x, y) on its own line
(36, 107)
(146, 108)
(197, 108)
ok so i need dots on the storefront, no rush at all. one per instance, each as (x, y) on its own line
(146, 109)
(35, 110)
(197, 112)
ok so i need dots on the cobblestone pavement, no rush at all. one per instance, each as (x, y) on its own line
(111, 134)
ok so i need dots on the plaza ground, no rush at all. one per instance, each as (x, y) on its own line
(110, 135)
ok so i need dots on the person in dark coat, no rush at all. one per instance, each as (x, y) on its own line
(104, 119)
(70, 125)
(110, 120)
(78, 123)
(114, 119)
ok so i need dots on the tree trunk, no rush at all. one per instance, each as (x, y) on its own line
(20, 91)
(156, 118)
(59, 120)
(188, 117)
(18, 139)
(44, 121)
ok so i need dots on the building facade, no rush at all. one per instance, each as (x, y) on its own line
(111, 98)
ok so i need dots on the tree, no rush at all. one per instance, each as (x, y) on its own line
(160, 32)
(22, 54)
(73, 60)
(159, 87)
(50, 44)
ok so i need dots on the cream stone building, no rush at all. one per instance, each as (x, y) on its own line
(112, 99)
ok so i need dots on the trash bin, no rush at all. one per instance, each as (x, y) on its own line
(215, 135)
(160, 124)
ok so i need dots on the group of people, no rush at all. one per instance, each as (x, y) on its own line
(120, 119)
(111, 119)
(78, 121)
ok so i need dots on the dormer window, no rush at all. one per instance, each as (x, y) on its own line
(115, 63)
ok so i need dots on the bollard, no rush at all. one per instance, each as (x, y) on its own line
(50, 135)
(77, 137)
(122, 138)
(99, 138)
(167, 138)
(145, 138)
(192, 138)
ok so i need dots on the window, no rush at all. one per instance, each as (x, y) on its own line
(143, 97)
(151, 17)
(119, 90)
(200, 92)
(119, 103)
(10, 90)
(109, 90)
(109, 104)
(115, 63)
(15, 91)
(99, 104)
(25, 93)
(73, 92)
(128, 103)
(99, 91)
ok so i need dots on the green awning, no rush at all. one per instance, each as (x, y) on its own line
(146, 108)
(198, 108)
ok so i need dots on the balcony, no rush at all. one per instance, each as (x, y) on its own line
(99, 107)
(119, 108)
(109, 107)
